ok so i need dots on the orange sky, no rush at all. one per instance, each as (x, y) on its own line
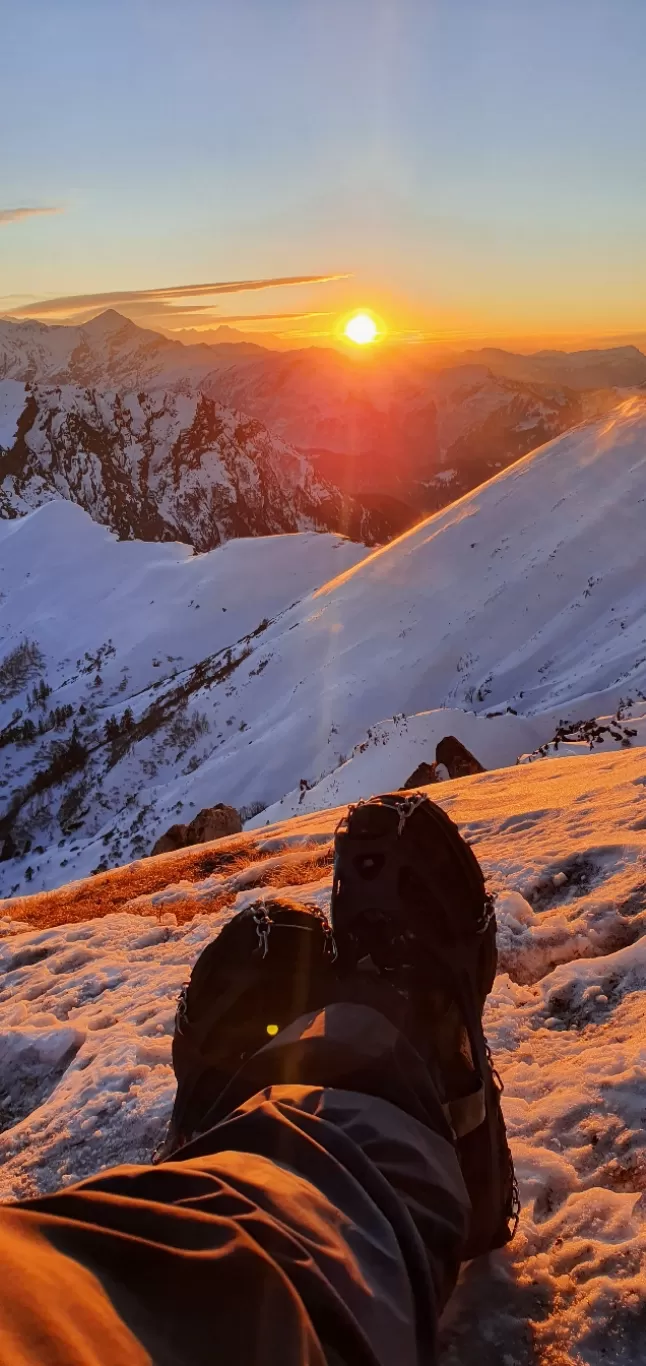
(471, 170)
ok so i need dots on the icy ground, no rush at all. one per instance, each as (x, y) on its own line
(86, 1013)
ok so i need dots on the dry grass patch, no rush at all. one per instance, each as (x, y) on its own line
(110, 892)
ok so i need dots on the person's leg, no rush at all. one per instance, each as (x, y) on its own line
(316, 1221)
(321, 1217)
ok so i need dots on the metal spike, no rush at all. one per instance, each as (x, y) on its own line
(263, 927)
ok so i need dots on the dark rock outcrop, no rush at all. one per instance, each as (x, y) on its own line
(421, 776)
(158, 465)
(213, 823)
(450, 755)
(457, 759)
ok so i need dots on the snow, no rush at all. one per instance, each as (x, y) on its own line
(108, 350)
(527, 596)
(389, 752)
(627, 728)
(86, 1015)
(508, 598)
(70, 584)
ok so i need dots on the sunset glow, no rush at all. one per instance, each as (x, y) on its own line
(361, 329)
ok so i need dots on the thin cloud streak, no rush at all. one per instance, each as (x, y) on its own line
(176, 315)
(16, 215)
(236, 317)
(77, 303)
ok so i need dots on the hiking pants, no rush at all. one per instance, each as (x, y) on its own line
(321, 1218)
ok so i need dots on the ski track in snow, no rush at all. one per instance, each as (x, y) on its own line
(86, 1016)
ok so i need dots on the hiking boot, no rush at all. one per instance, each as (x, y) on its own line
(409, 900)
(271, 963)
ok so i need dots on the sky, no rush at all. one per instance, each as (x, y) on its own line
(468, 169)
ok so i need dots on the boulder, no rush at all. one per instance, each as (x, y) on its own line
(213, 823)
(421, 776)
(457, 759)
(174, 838)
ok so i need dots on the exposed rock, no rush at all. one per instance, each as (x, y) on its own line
(157, 464)
(9, 849)
(457, 759)
(421, 776)
(213, 823)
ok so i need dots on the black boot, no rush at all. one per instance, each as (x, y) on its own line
(409, 900)
(268, 965)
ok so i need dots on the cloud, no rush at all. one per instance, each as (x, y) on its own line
(268, 317)
(15, 215)
(155, 299)
(236, 317)
(177, 317)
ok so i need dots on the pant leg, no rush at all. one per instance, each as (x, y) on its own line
(321, 1218)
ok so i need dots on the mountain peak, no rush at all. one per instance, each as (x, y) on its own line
(106, 323)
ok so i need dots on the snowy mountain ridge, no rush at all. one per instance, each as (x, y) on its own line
(109, 352)
(165, 464)
(621, 366)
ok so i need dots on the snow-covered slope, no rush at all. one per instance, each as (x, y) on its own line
(388, 753)
(529, 594)
(86, 1014)
(164, 464)
(391, 750)
(58, 569)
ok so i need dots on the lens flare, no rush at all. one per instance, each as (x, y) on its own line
(360, 329)
(272, 1029)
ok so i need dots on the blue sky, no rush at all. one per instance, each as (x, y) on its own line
(476, 165)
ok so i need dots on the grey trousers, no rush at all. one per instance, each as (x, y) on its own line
(320, 1218)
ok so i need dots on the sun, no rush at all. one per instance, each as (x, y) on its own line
(361, 329)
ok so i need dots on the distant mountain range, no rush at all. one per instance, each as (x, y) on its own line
(619, 366)
(227, 335)
(132, 426)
